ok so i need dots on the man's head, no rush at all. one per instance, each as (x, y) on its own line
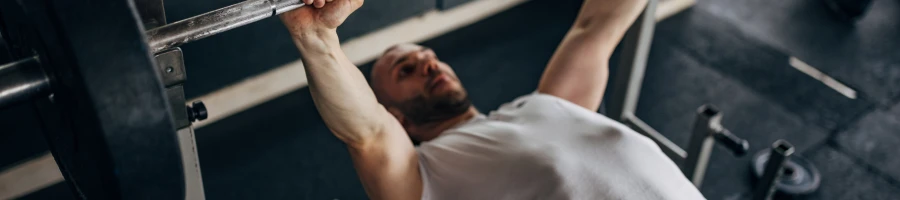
(416, 87)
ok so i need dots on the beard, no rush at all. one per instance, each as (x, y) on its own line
(424, 110)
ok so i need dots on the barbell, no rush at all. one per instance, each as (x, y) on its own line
(23, 81)
(109, 92)
(216, 21)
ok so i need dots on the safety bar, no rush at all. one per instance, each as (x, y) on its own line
(706, 132)
(668, 147)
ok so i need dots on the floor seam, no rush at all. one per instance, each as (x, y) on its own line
(872, 108)
(859, 162)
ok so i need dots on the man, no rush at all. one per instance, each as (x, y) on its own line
(547, 145)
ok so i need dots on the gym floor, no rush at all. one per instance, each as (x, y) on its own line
(731, 53)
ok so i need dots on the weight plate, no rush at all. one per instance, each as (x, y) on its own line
(5, 56)
(108, 123)
(799, 176)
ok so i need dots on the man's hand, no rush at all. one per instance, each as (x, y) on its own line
(319, 15)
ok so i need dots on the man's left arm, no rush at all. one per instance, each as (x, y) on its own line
(579, 69)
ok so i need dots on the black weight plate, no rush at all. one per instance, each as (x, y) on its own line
(108, 121)
(5, 57)
(799, 177)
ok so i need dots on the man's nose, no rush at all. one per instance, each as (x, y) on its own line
(429, 67)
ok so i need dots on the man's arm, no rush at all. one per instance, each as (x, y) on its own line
(383, 155)
(579, 69)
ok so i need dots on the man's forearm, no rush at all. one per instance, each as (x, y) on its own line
(339, 90)
(606, 21)
(578, 70)
(382, 153)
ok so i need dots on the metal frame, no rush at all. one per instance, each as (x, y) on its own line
(152, 13)
(626, 87)
(707, 131)
(630, 69)
(170, 66)
(193, 179)
(161, 37)
(781, 152)
(111, 122)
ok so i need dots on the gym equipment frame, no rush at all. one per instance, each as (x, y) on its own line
(115, 118)
(626, 87)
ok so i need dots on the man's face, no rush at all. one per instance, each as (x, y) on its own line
(411, 79)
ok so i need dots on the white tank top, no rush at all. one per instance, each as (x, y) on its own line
(544, 147)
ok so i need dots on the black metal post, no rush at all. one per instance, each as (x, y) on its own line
(707, 131)
(170, 66)
(152, 13)
(701, 143)
(781, 152)
(626, 84)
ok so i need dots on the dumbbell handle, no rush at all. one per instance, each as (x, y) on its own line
(737, 145)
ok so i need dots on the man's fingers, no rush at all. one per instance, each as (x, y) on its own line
(329, 1)
(307, 2)
(319, 3)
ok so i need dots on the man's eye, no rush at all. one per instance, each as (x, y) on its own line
(406, 70)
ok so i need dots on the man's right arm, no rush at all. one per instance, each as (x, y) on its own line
(383, 155)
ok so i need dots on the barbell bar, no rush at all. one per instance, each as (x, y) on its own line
(21, 80)
(216, 21)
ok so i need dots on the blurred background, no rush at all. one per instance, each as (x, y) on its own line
(799, 70)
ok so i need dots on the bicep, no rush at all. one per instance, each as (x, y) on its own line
(388, 165)
(578, 70)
